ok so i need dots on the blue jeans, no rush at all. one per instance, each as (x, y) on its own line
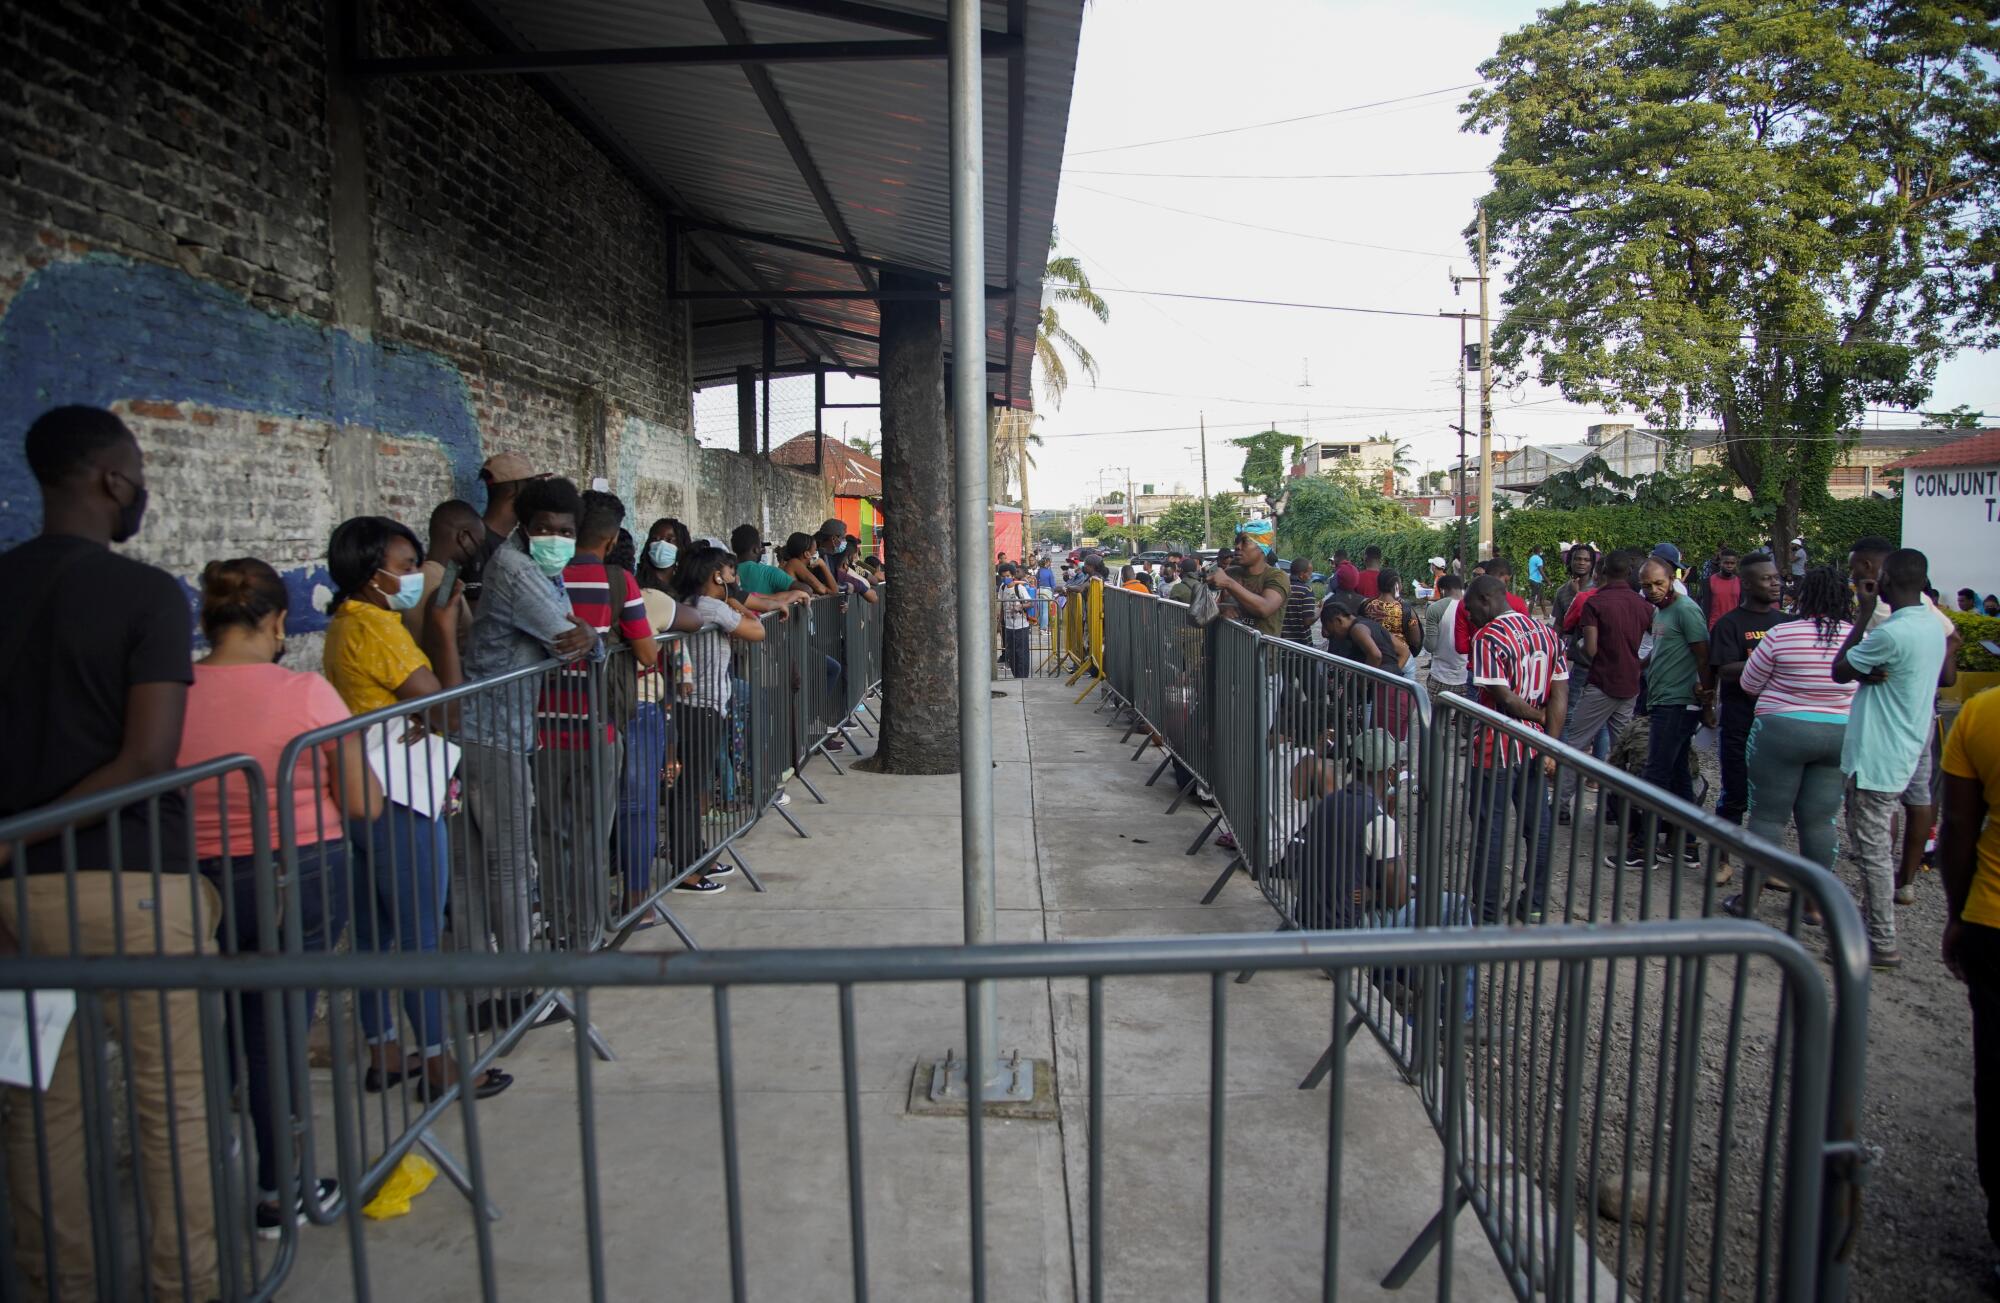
(400, 863)
(321, 885)
(1667, 747)
(1493, 790)
(639, 797)
(1453, 911)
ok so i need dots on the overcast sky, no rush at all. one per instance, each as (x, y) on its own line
(1154, 69)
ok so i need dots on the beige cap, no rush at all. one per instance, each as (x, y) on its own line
(506, 467)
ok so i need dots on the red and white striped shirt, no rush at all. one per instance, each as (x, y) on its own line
(1521, 653)
(1791, 671)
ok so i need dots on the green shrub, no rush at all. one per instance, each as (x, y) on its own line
(1696, 529)
(1973, 629)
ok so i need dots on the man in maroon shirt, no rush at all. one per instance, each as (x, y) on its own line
(1368, 581)
(1611, 620)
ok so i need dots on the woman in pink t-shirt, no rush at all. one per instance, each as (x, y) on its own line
(244, 701)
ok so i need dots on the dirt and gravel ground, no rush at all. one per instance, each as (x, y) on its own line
(1923, 1229)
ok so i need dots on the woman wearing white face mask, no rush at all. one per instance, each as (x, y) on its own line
(399, 858)
(659, 559)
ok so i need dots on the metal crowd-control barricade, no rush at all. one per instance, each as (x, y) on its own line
(824, 674)
(1703, 1057)
(1580, 961)
(145, 1147)
(1357, 802)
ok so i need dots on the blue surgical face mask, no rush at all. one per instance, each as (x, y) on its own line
(551, 552)
(842, 548)
(662, 553)
(409, 591)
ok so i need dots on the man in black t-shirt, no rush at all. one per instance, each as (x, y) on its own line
(1735, 635)
(97, 656)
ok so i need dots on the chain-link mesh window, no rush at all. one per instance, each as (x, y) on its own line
(791, 412)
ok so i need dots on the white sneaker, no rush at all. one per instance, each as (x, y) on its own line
(783, 797)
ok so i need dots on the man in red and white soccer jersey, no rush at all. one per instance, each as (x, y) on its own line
(1519, 670)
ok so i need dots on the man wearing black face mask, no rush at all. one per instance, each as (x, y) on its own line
(96, 649)
(457, 537)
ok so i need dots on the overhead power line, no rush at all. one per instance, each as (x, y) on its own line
(1432, 316)
(1274, 176)
(1275, 122)
(1272, 230)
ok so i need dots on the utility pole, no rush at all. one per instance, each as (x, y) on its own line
(1458, 504)
(1205, 526)
(1485, 401)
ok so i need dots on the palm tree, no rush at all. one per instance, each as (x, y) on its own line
(863, 444)
(1010, 435)
(1064, 281)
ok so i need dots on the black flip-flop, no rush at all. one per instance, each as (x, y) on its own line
(489, 1085)
(375, 1082)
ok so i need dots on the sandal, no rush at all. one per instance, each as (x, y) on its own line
(491, 1084)
(375, 1080)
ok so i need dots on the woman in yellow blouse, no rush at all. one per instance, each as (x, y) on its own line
(400, 858)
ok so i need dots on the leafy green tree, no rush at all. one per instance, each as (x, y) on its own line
(1181, 523)
(862, 444)
(1265, 460)
(1758, 212)
(1324, 512)
(1960, 417)
(1095, 526)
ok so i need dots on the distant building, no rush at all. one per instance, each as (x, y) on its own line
(854, 477)
(1373, 461)
(1951, 511)
(1631, 452)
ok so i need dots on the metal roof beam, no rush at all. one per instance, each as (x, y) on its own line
(804, 246)
(758, 296)
(759, 77)
(866, 15)
(744, 53)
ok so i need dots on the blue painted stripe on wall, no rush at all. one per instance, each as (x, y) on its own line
(103, 328)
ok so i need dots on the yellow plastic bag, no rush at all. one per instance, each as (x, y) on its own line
(411, 1178)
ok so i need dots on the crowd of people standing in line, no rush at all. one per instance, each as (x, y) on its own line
(106, 686)
(1820, 686)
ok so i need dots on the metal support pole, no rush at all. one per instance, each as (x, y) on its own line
(770, 365)
(1485, 402)
(973, 524)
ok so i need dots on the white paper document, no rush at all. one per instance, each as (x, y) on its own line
(417, 775)
(54, 1011)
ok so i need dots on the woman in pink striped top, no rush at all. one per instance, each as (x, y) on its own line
(1794, 748)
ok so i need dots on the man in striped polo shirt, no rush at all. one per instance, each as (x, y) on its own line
(1520, 670)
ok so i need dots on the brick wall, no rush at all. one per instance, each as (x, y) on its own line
(167, 228)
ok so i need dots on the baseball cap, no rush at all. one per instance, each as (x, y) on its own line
(1438, 561)
(506, 467)
(1372, 750)
(715, 543)
(1668, 552)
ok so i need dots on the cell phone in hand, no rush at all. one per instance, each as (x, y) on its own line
(445, 586)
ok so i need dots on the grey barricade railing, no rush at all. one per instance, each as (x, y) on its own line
(707, 1264)
(1380, 807)
(143, 1170)
(1160, 666)
(1527, 826)
(582, 795)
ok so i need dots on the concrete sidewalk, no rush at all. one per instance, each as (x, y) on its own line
(1084, 851)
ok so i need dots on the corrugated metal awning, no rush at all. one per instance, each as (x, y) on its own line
(802, 146)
